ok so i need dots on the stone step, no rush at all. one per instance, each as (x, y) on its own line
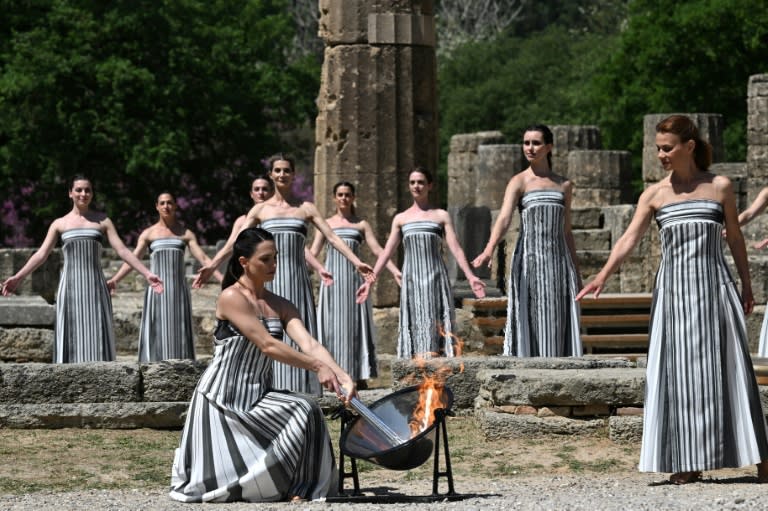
(26, 311)
(567, 387)
(613, 341)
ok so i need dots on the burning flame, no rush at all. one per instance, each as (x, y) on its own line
(432, 395)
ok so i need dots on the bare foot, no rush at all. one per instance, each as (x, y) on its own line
(297, 499)
(762, 472)
(685, 477)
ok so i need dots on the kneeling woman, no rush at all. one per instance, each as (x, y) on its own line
(242, 439)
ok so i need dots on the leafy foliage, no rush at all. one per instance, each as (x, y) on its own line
(145, 96)
(609, 63)
(692, 56)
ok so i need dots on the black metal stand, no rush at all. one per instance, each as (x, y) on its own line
(441, 433)
(346, 415)
(441, 430)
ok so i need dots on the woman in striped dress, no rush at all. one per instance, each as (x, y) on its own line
(542, 315)
(346, 328)
(702, 404)
(83, 330)
(244, 440)
(746, 216)
(287, 219)
(166, 320)
(427, 319)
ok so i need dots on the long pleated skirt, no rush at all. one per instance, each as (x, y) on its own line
(542, 314)
(427, 317)
(166, 321)
(702, 405)
(84, 331)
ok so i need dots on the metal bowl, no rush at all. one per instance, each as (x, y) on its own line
(361, 440)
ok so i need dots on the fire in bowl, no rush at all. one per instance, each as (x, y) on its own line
(399, 431)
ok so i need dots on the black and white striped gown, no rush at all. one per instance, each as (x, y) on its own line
(244, 441)
(346, 328)
(166, 322)
(84, 331)
(702, 405)
(762, 347)
(292, 283)
(427, 317)
(542, 315)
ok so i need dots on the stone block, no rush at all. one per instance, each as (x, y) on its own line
(634, 411)
(496, 164)
(26, 344)
(343, 21)
(26, 311)
(757, 161)
(625, 429)
(595, 197)
(95, 382)
(610, 170)
(586, 218)
(471, 142)
(574, 387)
(406, 29)
(554, 411)
(171, 380)
(94, 415)
(387, 321)
(44, 281)
(569, 138)
(464, 373)
(592, 239)
(500, 426)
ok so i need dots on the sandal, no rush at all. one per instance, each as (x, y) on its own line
(685, 477)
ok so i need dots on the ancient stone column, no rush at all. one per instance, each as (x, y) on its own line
(377, 108)
(600, 178)
(568, 138)
(710, 128)
(757, 148)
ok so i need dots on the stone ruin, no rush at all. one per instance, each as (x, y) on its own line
(480, 165)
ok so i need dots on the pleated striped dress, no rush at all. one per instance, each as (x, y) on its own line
(346, 328)
(243, 441)
(166, 322)
(83, 331)
(542, 315)
(292, 283)
(427, 318)
(702, 405)
(762, 347)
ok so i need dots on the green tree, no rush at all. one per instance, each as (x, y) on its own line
(512, 82)
(144, 96)
(683, 56)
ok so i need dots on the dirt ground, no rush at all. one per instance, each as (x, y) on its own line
(75, 459)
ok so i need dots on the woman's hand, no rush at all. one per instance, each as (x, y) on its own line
(362, 292)
(747, 300)
(326, 277)
(155, 283)
(10, 285)
(112, 287)
(367, 272)
(478, 287)
(398, 278)
(481, 260)
(328, 379)
(203, 274)
(761, 244)
(595, 287)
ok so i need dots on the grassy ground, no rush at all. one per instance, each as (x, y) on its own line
(77, 459)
